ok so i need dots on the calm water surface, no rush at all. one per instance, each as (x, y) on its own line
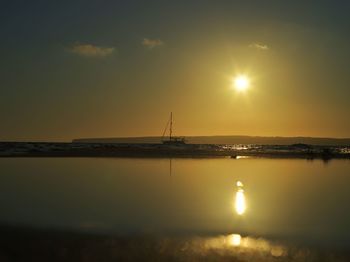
(284, 199)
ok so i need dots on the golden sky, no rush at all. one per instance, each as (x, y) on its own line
(119, 69)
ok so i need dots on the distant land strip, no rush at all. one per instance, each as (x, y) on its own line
(258, 140)
(76, 149)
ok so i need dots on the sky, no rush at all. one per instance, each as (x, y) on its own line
(77, 69)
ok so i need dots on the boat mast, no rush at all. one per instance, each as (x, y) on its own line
(171, 125)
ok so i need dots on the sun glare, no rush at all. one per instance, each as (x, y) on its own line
(235, 239)
(241, 83)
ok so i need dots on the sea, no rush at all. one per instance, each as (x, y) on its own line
(245, 208)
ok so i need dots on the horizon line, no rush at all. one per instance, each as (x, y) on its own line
(154, 136)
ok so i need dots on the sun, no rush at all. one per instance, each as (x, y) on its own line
(241, 83)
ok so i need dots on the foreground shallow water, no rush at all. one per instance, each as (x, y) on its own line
(291, 201)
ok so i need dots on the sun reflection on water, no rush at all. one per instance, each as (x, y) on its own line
(240, 203)
(237, 245)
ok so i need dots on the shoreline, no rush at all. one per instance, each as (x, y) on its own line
(47, 149)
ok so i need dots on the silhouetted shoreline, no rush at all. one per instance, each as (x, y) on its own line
(222, 140)
(143, 150)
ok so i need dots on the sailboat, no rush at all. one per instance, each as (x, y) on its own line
(171, 140)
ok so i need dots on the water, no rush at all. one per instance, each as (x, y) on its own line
(285, 199)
